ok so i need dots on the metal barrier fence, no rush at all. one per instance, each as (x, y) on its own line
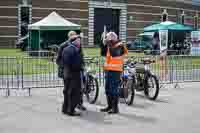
(41, 72)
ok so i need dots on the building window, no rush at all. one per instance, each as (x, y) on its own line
(24, 2)
(196, 22)
(25, 12)
(164, 16)
(115, 1)
(177, 17)
(183, 18)
(24, 17)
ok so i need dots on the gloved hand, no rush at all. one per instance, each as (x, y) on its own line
(123, 43)
(105, 42)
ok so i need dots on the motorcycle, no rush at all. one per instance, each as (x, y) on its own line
(90, 85)
(127, 88)
(140, 79)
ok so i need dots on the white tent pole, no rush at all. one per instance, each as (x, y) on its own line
(39, 43)
(171, 37)
(28, 39)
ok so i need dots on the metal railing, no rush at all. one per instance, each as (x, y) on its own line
(41, 72)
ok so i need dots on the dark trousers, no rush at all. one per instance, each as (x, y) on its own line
(82, 84)
(72, 94)
(112, 83)
(81, 99)
(65, 102)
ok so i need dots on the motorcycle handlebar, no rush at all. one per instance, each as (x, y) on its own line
(90, 60)
(132, 63)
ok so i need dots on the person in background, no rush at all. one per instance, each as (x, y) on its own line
(73, 65)
(156, 44)
(114, 52)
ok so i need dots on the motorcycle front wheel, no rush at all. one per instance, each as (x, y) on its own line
(92, 91)
(151, 89)
(128, 89)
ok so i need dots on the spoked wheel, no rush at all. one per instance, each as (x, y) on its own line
(92, 91)
(152, 87)
(128, 87)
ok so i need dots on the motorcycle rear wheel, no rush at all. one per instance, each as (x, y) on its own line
(92, 90)
(130, 85)
(151, 88)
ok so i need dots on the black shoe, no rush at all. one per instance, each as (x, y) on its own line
(74, 113)
(113, 111)
(81, 107)
(106, 109)
(109, 107)
(115, 108)
(64, 112)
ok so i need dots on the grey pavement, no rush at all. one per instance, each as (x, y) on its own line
(175, 111)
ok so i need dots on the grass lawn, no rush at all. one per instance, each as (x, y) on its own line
(14, 61)
(96, 52)
(87, 52)
(11, 53)
(180, 62)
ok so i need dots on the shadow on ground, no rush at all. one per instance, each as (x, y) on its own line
(95, 117)
(158, 100)
(134, 117)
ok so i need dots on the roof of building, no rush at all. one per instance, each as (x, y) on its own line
(193, 2)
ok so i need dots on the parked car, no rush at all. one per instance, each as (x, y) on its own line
(142, 43)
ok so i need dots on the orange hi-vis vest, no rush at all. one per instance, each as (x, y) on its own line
(114, 63)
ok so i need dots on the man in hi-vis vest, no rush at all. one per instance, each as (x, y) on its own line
(113, 66)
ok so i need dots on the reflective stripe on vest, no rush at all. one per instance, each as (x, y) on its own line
(112, 67)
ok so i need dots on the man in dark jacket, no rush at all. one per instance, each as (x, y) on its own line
(59, 62)
(73, 65)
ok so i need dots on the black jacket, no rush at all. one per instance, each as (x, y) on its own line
(60, 51)
(72, 61)
(59, 60)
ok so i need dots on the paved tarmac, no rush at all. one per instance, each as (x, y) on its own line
(177, 110)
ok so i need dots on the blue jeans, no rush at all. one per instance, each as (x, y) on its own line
(112, 79)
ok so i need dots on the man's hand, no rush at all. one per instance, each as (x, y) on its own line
(123, 43)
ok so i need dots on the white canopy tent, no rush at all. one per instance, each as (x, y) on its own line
(53, 22)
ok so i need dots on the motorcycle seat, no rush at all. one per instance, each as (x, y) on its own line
(147, 61)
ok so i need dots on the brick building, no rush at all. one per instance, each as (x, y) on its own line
(126, 17)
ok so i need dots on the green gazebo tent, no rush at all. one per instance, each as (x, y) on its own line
(53, 22)
(172, 27)
(167, 25)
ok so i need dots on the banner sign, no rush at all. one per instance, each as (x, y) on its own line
(195, 38)
(163, 34)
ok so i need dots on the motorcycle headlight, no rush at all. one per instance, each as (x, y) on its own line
(147, 67)
(88, 69)
(126, 71)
